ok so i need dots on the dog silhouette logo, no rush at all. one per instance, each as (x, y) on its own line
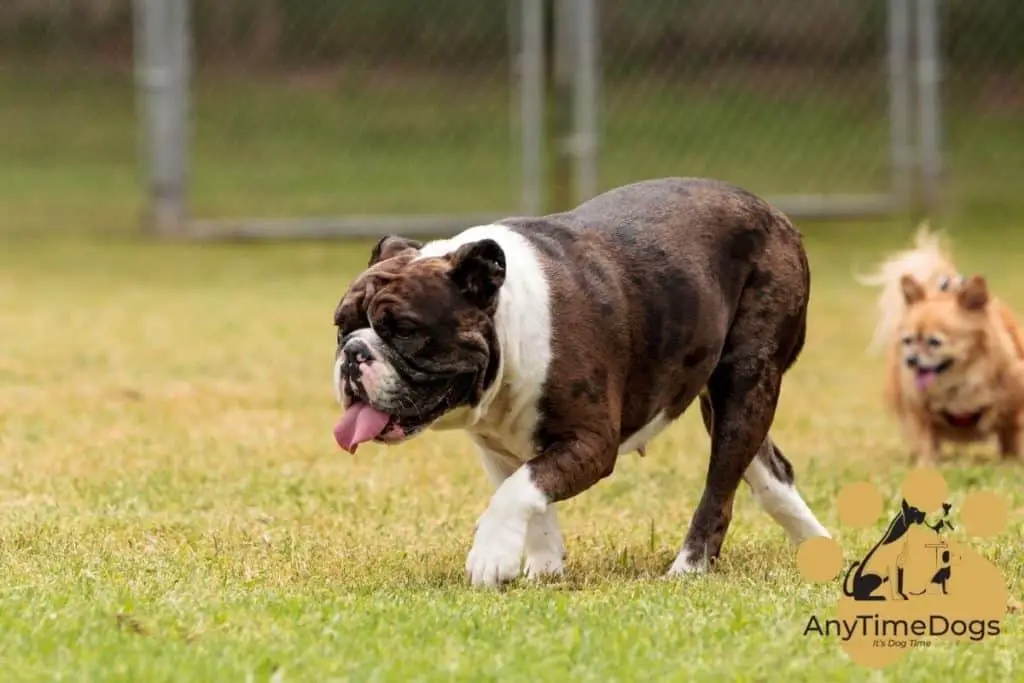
(901, 550)
(915, 585)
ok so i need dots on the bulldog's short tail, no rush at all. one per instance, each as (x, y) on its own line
(927, 262)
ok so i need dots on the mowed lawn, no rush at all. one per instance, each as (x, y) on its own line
(173, 507)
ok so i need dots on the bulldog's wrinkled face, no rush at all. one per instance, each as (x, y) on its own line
(416, 339)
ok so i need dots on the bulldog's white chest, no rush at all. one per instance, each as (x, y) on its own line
(509, 424)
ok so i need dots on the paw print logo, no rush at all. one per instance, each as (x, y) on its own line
(915, 585)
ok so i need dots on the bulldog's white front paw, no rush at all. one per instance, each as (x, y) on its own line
(545, 549)
(539, 565)
(497, 551)
(501, 532)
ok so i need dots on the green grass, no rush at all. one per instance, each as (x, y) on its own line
(173, 507)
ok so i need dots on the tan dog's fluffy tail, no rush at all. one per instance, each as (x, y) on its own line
(927, 262)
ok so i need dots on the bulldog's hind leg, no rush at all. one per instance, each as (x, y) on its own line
(771, 480)
(742, 394)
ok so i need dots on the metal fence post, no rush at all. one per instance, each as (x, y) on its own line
(585, 102)
(558, 104)
(900, 148)
(162, 46)
(929, 103)
(531, 104)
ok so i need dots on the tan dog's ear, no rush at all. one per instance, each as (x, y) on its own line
(912, 290)
(973, 294)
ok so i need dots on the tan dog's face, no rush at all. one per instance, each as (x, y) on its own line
(943, 331)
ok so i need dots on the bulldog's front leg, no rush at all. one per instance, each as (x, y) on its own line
(545, 548)
(557, 474)
(500, 539)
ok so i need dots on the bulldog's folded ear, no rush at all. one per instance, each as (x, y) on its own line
(392, 245)
(478, 270)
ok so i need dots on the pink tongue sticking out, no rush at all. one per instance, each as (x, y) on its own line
(924, 379)
(359, 423)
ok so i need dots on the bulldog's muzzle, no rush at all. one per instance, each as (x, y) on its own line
(381, 402)
(356, 358)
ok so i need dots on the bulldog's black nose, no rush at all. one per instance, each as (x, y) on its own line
(912, 362)
(356, 351)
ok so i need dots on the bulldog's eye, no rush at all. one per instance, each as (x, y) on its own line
(943, 283)
(934, 342)
(907, 340)
(403, 329)
(393, 327)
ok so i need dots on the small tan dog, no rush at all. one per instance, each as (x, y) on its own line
(954, 353)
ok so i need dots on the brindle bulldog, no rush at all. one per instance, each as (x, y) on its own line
(561, 342)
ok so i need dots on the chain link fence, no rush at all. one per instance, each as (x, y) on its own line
(322, 117)
(344, 116)
(789, 98)
(68, 145)
(357, 118)
(982, 48)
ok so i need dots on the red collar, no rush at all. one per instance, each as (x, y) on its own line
(964, 420)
